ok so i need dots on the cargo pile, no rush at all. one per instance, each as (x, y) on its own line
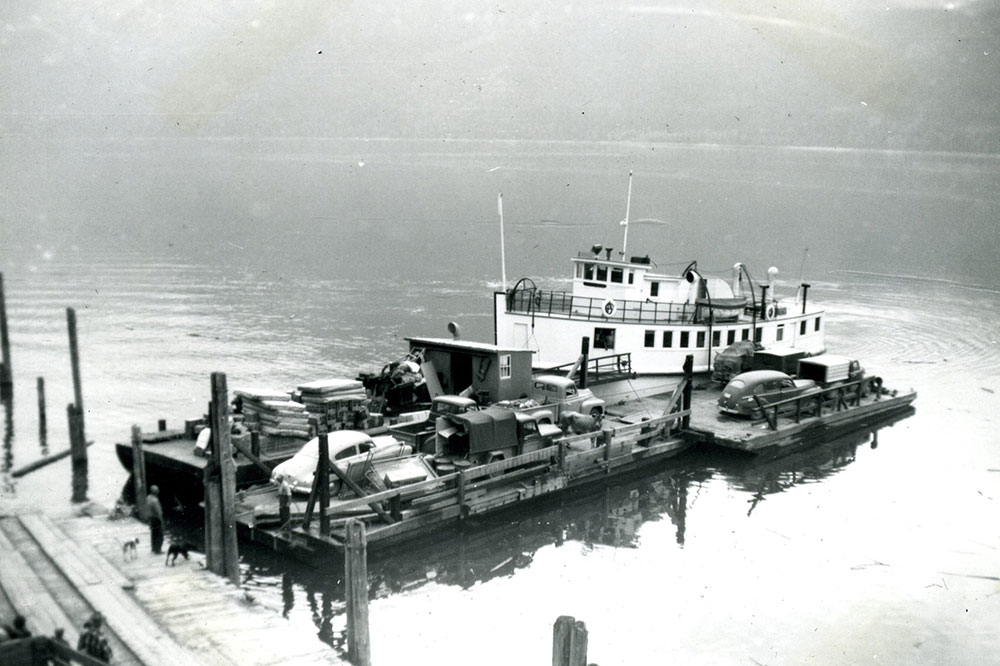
(336, 404)
(273, 412)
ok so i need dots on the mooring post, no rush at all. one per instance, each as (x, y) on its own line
(43, 425)
(323, 472)
(688, 375)
(139, 473)
(221, 486)
(6, 374)
(356, 582)
(78, 452)
(569, 642)
(585, 361)
(74, 357)
(284, 510)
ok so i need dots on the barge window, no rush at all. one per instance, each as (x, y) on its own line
(780, 334)
(802, 327)
(504, 366)
(616, 275)
(631, 276)
(685, 338)
(588, 271)
(716, 338)
(650, 340)
(817, 324)
(758, 334)
(604, 338)
(731, 336)
(602, 273)
(701, 340)
(654, 289)
(668, 338)
(745, 335)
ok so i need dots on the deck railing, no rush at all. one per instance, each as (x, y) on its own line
(565, 305)
(834, 399)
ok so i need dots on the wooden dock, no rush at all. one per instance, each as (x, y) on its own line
(58, 571)
(810, 419)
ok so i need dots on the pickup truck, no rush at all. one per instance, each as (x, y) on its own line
(489, 435)
(420, 434)
(829, 370)
(551, 396)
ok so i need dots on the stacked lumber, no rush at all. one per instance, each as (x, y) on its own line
(335, 403)
(273, 412)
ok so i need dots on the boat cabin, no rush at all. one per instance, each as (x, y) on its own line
(490, 373)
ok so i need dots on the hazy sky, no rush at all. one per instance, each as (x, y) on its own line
(127, 118)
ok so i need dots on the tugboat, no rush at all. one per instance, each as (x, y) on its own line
(625, 306)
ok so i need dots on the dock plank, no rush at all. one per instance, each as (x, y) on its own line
(25, 589)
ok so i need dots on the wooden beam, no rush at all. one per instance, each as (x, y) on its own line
(139, 473)
(569, 642)
(346, 480)
(323, 479)
(356, 594)
(43, 427)
(74, 357)
(42, 462)
(6, 374)
(251, 456)
(222, 456)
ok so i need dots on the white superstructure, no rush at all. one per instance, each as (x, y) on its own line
(626, 307)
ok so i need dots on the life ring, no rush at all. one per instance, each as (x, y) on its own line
(609, 308)
(770, 311)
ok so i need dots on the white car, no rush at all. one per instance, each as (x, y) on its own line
(345, 447)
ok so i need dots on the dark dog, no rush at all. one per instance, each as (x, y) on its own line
(178, 549)
(130, 549)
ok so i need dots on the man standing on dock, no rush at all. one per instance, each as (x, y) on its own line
(155, 511)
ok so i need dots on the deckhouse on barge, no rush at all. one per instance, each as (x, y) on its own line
(627, 306)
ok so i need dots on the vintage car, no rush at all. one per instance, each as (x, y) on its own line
(740, 396)
(347, 448)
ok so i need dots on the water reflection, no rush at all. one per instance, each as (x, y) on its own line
(612, 515)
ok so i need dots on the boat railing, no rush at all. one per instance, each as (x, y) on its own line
(570, 456)
(832, 399)
(600, 369)
(563, 304)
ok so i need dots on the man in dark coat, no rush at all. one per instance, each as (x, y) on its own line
(155, 511)
(92, 642)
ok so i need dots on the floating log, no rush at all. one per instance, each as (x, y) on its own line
(42, 462)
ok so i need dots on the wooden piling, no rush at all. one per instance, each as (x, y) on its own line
(139, 473)
(323, 474)
(43, 425)
(688, 375)
(78, 452)
(255, 443)
(6, 374)
(356, 593)
(221, 551)
(74, 357)
(584, 361)
(569, 642)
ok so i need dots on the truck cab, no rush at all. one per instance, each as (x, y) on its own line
(489, 435)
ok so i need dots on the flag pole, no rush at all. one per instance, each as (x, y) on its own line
(503, 258)
(628, 206)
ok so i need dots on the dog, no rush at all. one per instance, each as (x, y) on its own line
(178, 549)
(130, 549)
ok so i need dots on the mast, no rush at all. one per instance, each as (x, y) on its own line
(503, 258)
(624, 223)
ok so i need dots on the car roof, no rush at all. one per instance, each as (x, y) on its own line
(755, 376)
(558, 380)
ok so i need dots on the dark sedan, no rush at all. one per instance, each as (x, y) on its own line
(738, 397)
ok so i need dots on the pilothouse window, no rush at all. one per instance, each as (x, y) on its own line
(588, 271)
(602, 273)
(616, 275)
